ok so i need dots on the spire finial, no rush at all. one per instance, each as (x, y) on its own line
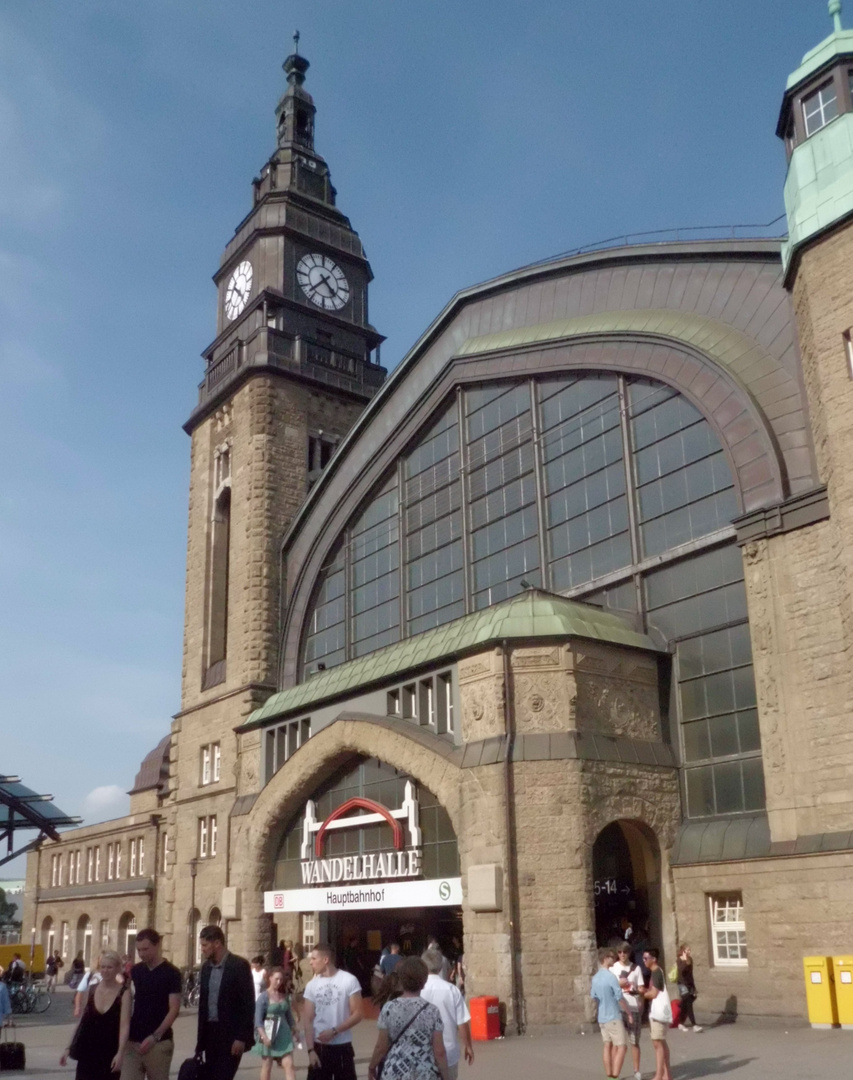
(296, 43)
(835, 12)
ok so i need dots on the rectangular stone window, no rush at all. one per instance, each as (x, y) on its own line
(728, 930)
(820, 107)
(309, 932)
(111, 861)
(211, 757)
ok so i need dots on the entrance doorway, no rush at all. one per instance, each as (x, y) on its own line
(358, 937)
(626, 883)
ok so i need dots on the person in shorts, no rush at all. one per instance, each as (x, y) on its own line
(657, 994)
(630, 978)
(605, 989)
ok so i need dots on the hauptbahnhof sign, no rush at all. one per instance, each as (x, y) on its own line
(388, 879)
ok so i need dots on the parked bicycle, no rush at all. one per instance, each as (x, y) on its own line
(29, 998)
(192, 989)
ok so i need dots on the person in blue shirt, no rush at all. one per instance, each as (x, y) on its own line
(5, 1004)
(605, 989)
(391, 959)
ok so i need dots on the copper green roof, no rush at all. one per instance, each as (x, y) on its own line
(533, 615)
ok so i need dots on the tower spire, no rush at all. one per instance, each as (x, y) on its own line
(296, 109)
(835, 12)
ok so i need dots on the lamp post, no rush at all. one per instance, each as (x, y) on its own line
(191, 924)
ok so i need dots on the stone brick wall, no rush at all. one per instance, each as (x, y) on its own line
(793, 907)
(799, 583)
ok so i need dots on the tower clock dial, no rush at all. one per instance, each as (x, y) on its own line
(237, 293)
(322, 281)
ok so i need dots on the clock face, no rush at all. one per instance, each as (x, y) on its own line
(237, 293)
(322, 281)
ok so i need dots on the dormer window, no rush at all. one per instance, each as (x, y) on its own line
(820, 107)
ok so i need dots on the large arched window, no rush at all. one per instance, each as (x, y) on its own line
(603, 487)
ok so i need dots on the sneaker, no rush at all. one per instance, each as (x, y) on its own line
(683, 1027)
(638, 1075)
(696, 1027)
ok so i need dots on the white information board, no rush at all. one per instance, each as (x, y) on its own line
(437, 892)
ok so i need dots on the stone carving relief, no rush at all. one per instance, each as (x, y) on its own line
(618, 707)
(482, 708)
(543, 701)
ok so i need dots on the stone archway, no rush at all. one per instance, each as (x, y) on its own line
(626, 872)
(419, 754)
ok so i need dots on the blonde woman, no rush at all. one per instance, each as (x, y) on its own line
(96, 1041)
(274, 1027)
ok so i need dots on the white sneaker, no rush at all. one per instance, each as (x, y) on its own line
(638, 1075)
(683, 1027)
(696, 1027)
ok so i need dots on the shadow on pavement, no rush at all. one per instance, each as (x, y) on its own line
(709, 1067)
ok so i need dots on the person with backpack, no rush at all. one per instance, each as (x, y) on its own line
(631, 980)
(660, 1014)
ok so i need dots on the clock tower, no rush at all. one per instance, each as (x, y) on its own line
(293, 364)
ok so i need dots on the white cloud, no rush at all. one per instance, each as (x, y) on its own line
(104, 803)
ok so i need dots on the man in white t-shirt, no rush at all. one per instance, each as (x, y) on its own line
(630, 978)
(454, 1012)
(332, 1008)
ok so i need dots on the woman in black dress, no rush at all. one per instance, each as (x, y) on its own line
(96, 1041)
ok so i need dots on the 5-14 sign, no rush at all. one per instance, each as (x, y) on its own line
(610, 887)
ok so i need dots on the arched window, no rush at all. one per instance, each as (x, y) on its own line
(218, 570)
(602, 487)
(214, 917)
(84, 939)
(194, 925)
(48, 937)
(127, 935)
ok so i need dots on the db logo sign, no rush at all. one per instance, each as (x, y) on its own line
(278, 900)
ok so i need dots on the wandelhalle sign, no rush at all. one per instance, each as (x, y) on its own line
(352, 882)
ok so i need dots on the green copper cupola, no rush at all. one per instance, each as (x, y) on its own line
(816, 124)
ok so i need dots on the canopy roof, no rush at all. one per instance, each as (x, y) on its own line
(22, 808)
(534, 615)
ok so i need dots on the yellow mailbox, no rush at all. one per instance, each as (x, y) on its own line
(820, 991)
(843, 969)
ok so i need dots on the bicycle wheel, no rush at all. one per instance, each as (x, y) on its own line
(42, 1001)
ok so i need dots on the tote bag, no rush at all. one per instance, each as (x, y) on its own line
(661, 1009)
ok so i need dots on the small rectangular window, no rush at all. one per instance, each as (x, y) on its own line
(164, 852)
(728, 930)
(202, 838)
(132, 871)
(97, 864)
(309, 932)
(105, 933)
(217, 762)
(213, 834)
(426, 703)
(393, 703)
(141, 856)
(111, 862)
(118, 860)
(90, 864)
(65, 939)
(444, 704)
(205, 765)
(820, 107)
(410, 709)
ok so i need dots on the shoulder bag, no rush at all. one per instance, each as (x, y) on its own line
(381, 1064)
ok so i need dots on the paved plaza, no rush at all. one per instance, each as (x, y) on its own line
(739, 1051)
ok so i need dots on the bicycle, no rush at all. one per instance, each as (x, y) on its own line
(192, 990)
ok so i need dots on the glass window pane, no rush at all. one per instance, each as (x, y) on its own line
(697, 745)
(700, 792)
(724, 736)
(753, 784)
(750, 736)
(727, 787)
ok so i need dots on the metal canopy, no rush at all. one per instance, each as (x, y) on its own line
(22, 808)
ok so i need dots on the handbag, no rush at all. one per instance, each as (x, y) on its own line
(13, 1055)
(661, 1009)
(271, 1026)
(381, 1063)
(192, 1069)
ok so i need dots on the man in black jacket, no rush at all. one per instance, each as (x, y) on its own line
(226, 1010)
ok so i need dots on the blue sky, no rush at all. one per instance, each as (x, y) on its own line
(465, 139)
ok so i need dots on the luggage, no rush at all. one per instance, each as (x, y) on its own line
(676, 1013)
(192, 1069)
(13, 1055)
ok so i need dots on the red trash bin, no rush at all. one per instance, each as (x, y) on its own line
(485, 1018)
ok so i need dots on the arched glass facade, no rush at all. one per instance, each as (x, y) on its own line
(599, 486)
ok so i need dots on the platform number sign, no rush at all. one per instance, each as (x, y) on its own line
(611, 887)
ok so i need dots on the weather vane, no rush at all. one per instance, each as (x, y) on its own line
(296, 42)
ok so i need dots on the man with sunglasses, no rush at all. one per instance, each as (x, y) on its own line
(630, 978)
